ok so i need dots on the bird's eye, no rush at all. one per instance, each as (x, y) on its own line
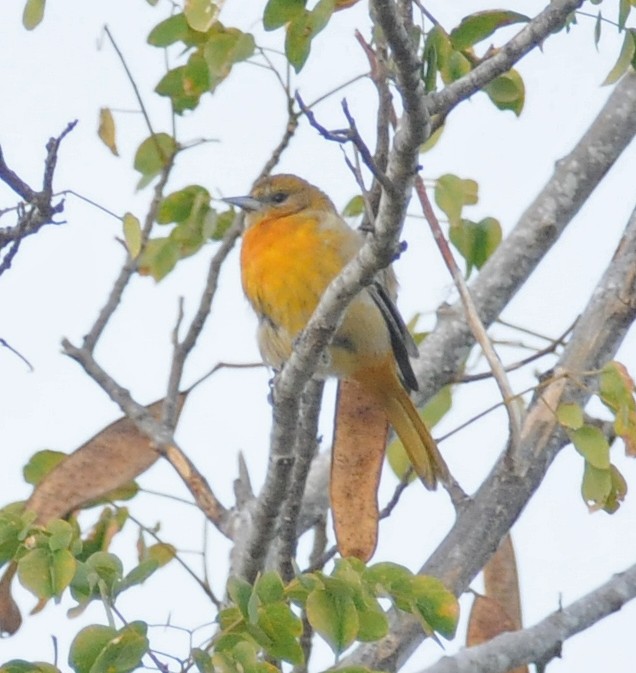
(279, 197)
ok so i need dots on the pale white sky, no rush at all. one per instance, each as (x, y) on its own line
(65, 70)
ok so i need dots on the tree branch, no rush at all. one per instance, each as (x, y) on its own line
(542, 642)
(516, 476)
(550, 20)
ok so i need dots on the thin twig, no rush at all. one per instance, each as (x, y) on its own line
(476, 325)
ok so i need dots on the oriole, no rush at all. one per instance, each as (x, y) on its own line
(294, 245)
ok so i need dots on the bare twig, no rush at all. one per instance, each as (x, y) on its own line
(476, 325)
(40, 210)
(161, 436)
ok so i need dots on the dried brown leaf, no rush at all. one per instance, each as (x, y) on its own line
(112, 458)
(357, 455)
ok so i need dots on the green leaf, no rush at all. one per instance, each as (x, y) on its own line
(61, 534)
(302, 30)
(138, 575)
(279, 12)
(269, 587)
(384, 576)
(435, 605)
(616, 386)
(161, 552)
(33, 13)
(196, 78)
(22, 666)
(40, 464)
(200, 14)
(334, 617)
(132, 234)
(11, 528)
(618, 491)
(507, 92)
(216, 224)
(46, 573)
(178, 206)
(282, 629)
(173, 29)
(158, 258)
(106, 570)
(476, 241)
(202, 660)
(477, 27)
(154, 154)
(354, 207)
(592, 444)
(570, 415)
(453, 193)
(100, 649)
(625, 58)
(225, 47)
(87, 645)
(596, 488)
(433, 139)
(240, 592)
(437, 51)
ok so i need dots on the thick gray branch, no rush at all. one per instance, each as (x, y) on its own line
(539, 643)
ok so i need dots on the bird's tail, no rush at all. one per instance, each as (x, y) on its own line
(417, 440)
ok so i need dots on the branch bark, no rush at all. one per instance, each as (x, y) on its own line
(543, 641)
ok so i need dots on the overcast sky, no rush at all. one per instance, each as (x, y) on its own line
(65, 70)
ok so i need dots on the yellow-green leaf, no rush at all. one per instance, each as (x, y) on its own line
(132, 234)
(334, 617)
(87, 645)
(592, 444)
(33, 13)
(354, 207)
(106, 130)
(46, 573)
(570, 415)
(625, 58)
(154, 153)
(225, 47)
(476, 241)
(453, 193)
(435, 604)
(596, 487)
(40, 464)
(477, 27)
(158, 258)
(507, 92)
(200, 14)
(179, 206)
(302, 30)
(279, 12)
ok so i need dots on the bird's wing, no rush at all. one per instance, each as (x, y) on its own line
(401, 340)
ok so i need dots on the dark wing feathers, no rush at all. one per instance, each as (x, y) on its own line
(401, 340)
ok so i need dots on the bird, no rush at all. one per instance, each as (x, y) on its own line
(294, 244)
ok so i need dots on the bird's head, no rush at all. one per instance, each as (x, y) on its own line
(282, 195)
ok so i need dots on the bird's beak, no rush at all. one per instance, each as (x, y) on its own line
(247, 203)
